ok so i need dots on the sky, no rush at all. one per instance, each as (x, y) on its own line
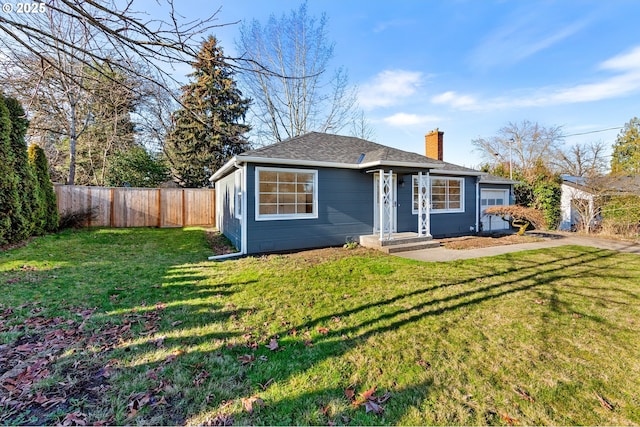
(471, 67)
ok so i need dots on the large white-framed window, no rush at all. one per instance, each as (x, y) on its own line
(447, 194)
(284, 193)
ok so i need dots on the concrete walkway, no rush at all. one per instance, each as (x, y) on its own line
(550, 240)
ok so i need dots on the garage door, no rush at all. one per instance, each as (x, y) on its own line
(490, 198)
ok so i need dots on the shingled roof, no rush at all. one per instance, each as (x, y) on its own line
(320, 149)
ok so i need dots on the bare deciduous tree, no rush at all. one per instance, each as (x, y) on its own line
(521, 145)
(114, 34)
(299, 95)
(583, 160)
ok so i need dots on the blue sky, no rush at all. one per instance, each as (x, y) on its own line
(469, 67)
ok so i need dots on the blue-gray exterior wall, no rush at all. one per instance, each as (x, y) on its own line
(225, 210)
(442, 224)
(345, 211)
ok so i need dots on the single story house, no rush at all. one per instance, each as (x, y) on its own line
(321, 190)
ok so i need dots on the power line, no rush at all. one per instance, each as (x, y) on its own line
(593, 131)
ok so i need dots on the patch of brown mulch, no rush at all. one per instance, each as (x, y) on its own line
(477, 242)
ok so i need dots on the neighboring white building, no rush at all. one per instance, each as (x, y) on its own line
(575, 200)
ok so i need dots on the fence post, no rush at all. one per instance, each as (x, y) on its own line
(184, 210)
(159, 208)
(112, 221)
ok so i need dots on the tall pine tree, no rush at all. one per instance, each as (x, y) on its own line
(209, 128)
(625, 158)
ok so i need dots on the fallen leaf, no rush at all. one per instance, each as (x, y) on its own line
(265, 385)
(250, 402)
(245, 359)
(384, 397)
(308, 343)
(220, 420)
(350, 393)
(273, 345)
(367, 395)
(323, 331)
(176, 323)
(604, 402)
(371, 406)
(263, 358)
(509, 420)
(75, 419)
(523, 394)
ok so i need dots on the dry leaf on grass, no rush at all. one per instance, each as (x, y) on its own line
(273, 344)
(250, 403)
(323, 331)
(523, 394)
(604, 402)
(245, 359)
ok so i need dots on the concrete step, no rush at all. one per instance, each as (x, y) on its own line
(373, 241)
(405, 247)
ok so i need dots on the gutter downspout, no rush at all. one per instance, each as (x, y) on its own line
(477, 204)
(243, 225)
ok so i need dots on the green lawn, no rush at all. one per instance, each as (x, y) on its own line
(134, 326)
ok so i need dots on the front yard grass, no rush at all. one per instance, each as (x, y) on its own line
(134, 326)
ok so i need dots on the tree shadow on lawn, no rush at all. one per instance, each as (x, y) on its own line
(250, 364)
(71, 309)
(182, 367)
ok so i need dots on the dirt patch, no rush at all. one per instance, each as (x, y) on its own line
(477, 242)
(219, 243)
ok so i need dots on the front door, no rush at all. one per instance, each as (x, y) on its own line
(376, 203)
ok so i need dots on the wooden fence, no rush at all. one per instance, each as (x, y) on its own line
(139, 207)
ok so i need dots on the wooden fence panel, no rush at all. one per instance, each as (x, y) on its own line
(139, 207)
(172, 207)
(198, 207)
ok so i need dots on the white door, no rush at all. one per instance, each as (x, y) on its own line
(376, 203)
(490, 198)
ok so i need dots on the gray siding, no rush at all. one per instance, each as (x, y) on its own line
(345, 211)
(225, 210)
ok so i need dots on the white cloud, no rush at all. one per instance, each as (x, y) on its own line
(624, 82)
(388, 88)
(455, 100)
(405, 119)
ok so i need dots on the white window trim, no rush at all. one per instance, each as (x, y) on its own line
(276, 217)
(433, 210)
(238, 194)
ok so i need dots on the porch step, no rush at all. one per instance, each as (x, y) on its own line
(405, 247)
(401, 242)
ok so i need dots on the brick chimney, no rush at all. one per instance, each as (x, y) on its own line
(433, 144)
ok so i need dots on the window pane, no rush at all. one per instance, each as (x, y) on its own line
(287, 198)
(268, 187)
(267, 209)
(286, 188)
(268, 198)
(287, 209)
(268, 176)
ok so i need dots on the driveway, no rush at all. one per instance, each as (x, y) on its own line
(550, 240)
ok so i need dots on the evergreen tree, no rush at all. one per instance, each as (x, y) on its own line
(625, 158)
(38, 161)
(9, 202)
(26, 222)
(137, 168)
(207, 130)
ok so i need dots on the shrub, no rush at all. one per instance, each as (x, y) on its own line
(29, 219)
(47, 195)
(9, 200)
(77, 219)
